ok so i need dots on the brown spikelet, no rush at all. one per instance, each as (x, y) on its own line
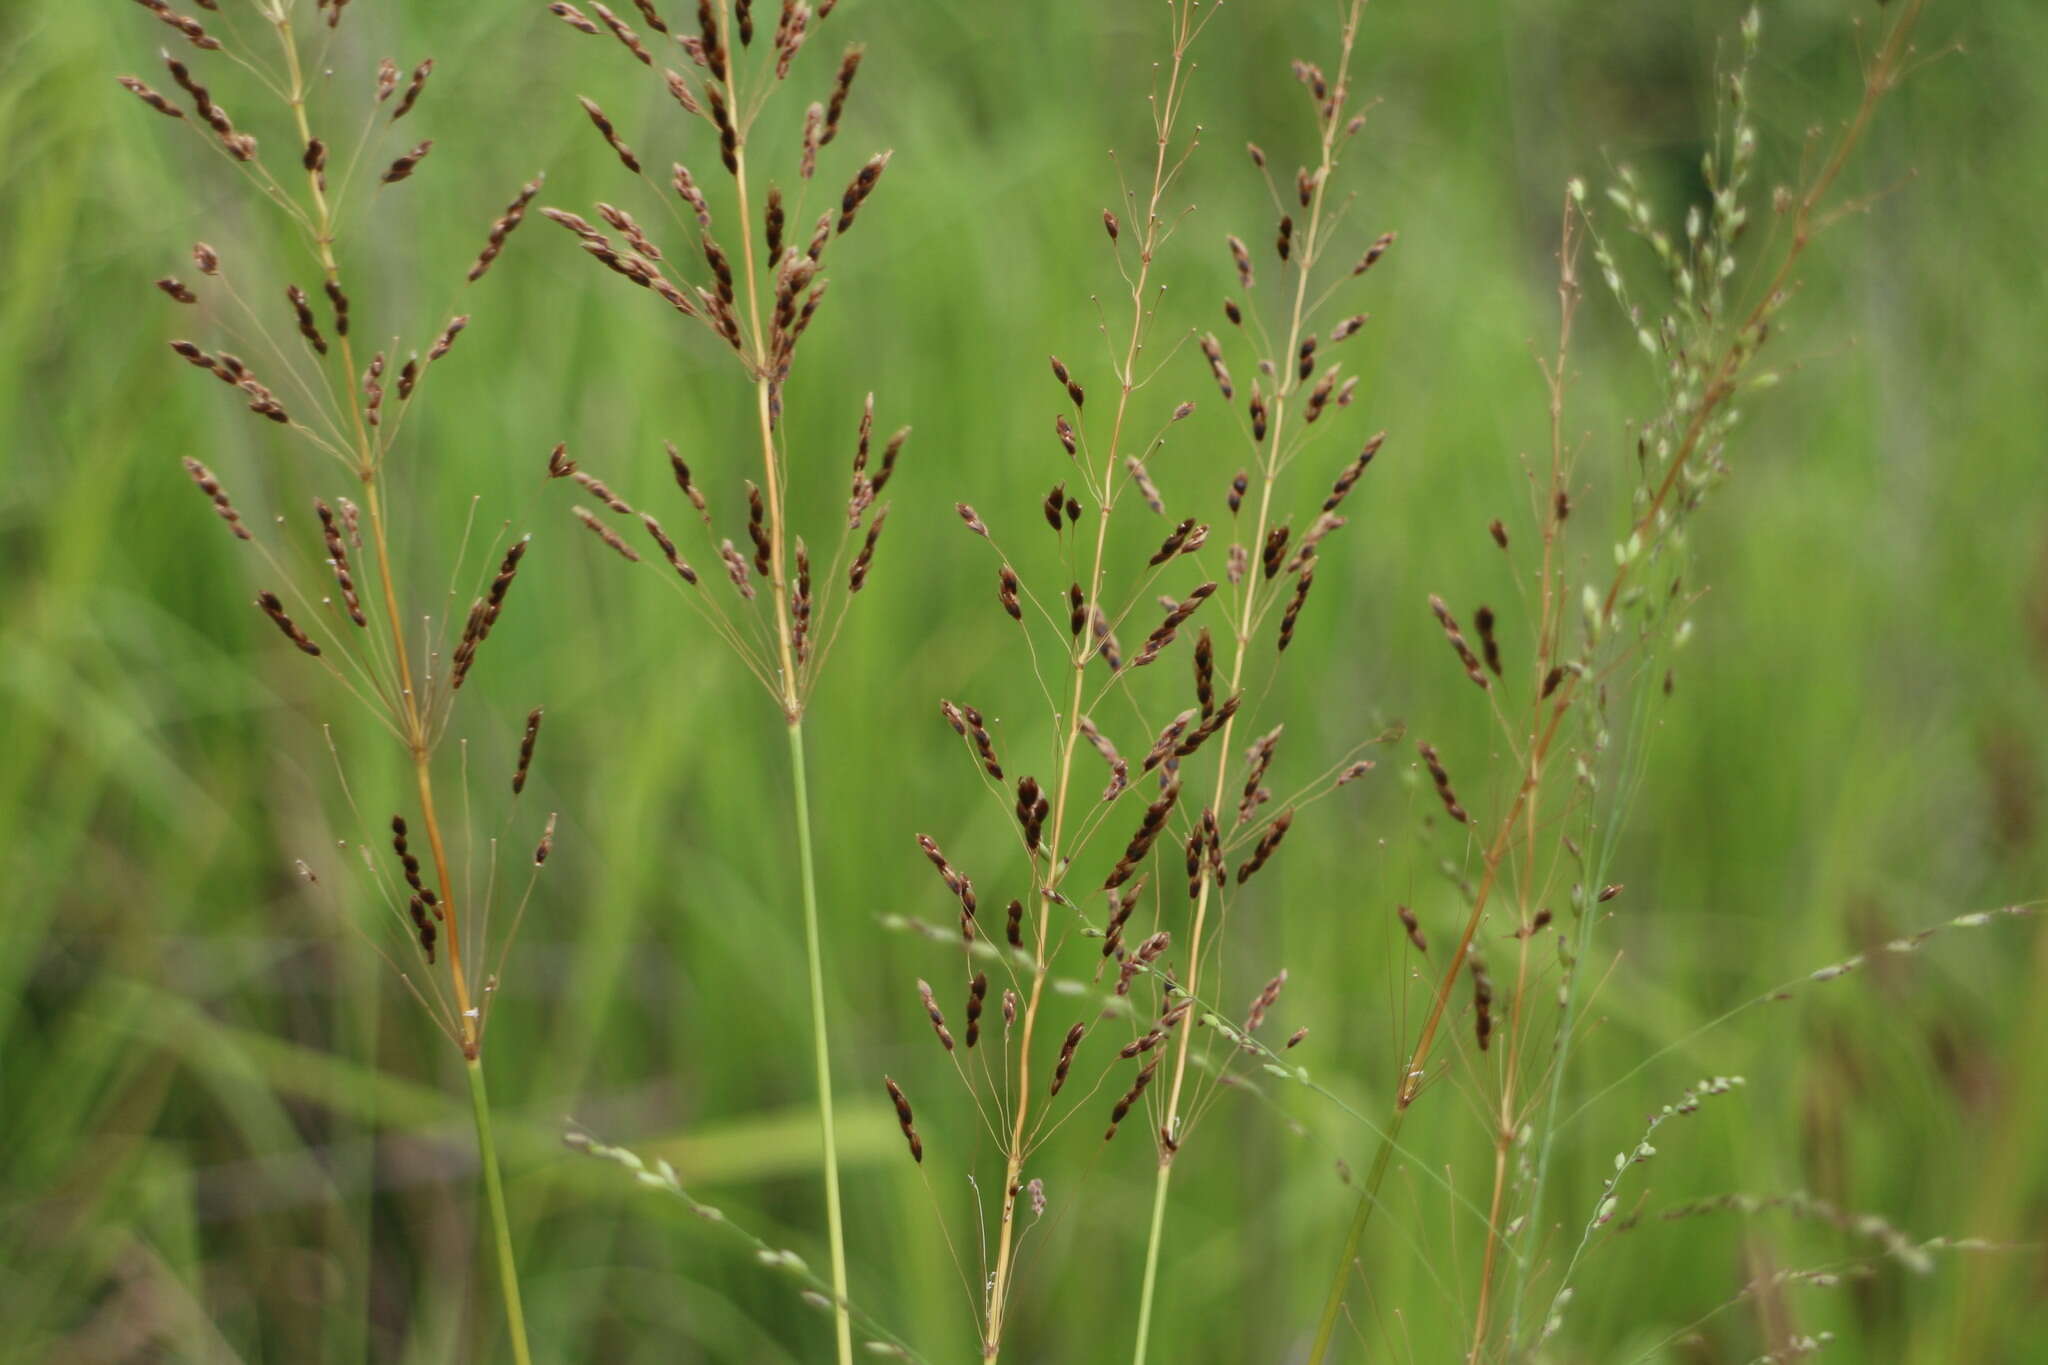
(507, 222)
(728, 134)
(606, 534)
(903, 1120)
(1119, 770)
(1241, 257)
(446, 341)
(1066, 1061)
(599, 490)
(274, 609)
(171, 286)
(1353, 471)
(338, 301)
(209, 485)
(1013, 929)
(484, 612)
(526, 744)
(1032, 809)
(1499, 532)
(628, 39)
(858, 575)
(1006, 592)
(406, 858)
(423, 927)
(757, 529)
(1438, 775)
(1149, 827)
(150, 97)
(1213, 351)
(573, 17)
(842, 85)
(791, 29)
(1175, 541)
(405, 165)
(1268, 996)
(668, 549)
(1130, 1097)
(1269, 842)
(1294, 605)
(1176, 617)
(302, 309)
(984, 743)
(413, 89)
(1258, 758)
(1373, 253)
(935, 1014)
(1414, 928)
(1141, 478)
(337, 559)
(858, 190)
(890, 451)
(1489, 646)
(1482, 1003)
(547, 842)
(681, 471)
(605, 128)
(1120, 908)
(1212, 723)
(1456, 636)
(956, 881)
(373, 390)
(977, 995)
(1141, 960)
(1274, 555)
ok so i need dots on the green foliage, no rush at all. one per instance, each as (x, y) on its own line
(225, 1129)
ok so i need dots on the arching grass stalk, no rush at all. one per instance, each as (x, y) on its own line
(1708, 375)
(353, 625)
(1271, 455)
(755, 303)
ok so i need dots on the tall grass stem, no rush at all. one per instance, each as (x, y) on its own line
(820, 1041)
(501, 1225)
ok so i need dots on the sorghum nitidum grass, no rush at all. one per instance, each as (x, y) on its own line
(749, 284)
(331, 589)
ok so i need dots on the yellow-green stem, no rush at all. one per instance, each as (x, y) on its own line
(820, 1041)
(1333, 1305)
(501, 1226)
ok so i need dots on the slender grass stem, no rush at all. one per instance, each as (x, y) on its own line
(1152, 1244)
(1297, 317)
(501, 1226)
(1361, 1217)
(820, 1040)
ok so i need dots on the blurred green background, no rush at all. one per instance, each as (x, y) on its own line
(226, 1133)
